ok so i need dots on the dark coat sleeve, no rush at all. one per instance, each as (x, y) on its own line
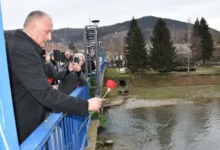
(26, 63)
(53, 73)
(82, 79)
(66, 66)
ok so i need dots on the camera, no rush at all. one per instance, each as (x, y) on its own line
(76, 60)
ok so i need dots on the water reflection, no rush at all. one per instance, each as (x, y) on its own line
(166, 118)
(181, 127)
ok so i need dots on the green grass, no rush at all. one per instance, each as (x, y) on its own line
(157, 87)
(153, 85)
(196, 92)
(174, 81)
(112, 73)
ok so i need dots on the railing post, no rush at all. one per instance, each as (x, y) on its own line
(8, 133)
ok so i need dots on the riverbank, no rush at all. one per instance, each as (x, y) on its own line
(152, 97)
(170, 85)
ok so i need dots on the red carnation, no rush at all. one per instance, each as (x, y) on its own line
(111, 84)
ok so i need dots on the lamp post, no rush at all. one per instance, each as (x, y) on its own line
(96, 22)
(97, 53)
(188, 61)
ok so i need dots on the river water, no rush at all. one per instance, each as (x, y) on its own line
(190, 126)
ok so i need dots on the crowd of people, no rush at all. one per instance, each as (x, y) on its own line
(32, 71)
(69, 76)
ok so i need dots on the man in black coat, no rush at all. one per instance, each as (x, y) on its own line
(31, 92)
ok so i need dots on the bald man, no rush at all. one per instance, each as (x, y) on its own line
(67, 55)
(30, 90)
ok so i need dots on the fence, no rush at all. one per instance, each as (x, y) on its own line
(60, 131)
(8, 133)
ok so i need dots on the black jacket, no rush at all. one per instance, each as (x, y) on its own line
(30, 90)
(70, 82)
(51, 72)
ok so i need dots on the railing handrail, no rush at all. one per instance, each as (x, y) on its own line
(47, 127)
(42, 133)
(8, 132)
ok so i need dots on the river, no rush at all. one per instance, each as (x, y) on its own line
(189, 126)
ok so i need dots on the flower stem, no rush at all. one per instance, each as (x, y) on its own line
(91, 113)
(106, 93)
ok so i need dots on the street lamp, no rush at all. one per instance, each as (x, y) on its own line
(96, 22)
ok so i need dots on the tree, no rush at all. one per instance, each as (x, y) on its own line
(135, 51)
(196, 47)
(206, 40)
(162, 52)
(71, 46)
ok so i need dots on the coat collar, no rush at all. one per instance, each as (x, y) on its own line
(23, 35)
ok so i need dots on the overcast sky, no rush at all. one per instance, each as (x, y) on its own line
(76, 13)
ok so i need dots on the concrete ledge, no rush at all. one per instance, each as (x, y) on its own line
(92, 135)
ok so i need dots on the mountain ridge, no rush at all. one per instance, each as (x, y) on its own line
(178, 30)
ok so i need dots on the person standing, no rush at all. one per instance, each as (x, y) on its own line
(31, 92)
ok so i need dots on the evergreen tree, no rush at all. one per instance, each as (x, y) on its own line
(135, 51)
(206, 40)
(196, 47)
(162, 52)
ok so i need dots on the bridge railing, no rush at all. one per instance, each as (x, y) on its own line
(102, 64)
(60, 131)
(8, 132)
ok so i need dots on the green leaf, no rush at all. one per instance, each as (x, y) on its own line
(102, 120)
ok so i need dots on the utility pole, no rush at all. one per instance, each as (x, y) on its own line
(189, 36)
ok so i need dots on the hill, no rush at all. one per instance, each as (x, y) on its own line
(178, 31)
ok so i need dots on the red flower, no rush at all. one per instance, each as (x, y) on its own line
(111, 84)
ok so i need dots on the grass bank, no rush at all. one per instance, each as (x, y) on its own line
(187, 92)
(201, 84)
(112, 73)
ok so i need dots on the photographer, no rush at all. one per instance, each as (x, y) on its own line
(75, 77)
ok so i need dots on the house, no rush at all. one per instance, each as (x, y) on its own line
(57, 46)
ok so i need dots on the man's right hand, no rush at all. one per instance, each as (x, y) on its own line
(95, 104)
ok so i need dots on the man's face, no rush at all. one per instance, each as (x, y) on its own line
(42, 31)
(67, 55)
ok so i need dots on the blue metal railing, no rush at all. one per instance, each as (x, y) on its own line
(102, 65)
(60, 131)
(8, 133)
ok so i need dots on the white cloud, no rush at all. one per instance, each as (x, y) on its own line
(70, 13)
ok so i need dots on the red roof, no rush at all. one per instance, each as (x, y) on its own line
(56, 46)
